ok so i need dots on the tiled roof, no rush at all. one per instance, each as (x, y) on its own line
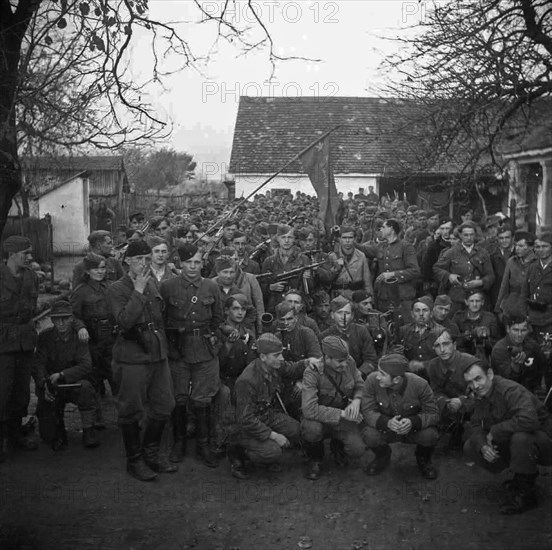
(378, 135)
(74, 164)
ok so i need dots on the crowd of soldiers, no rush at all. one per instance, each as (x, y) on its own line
(272, 331)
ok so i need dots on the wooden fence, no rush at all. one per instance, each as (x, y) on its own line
(40, 233)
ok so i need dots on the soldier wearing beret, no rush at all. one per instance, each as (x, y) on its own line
(331, 405)
(61, 358)
(140, 366)
(100, 243)
(265, 428)
(399, 406)
(465, 266)
(19, 294)
(193, 314)
(511, 428)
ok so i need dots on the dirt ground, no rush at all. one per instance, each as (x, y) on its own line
(83, 499)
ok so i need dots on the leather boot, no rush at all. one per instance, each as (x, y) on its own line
(521, 495)
(152, 442)
(338, 452)
(17, 439)
(380, 462)
(236, 457)
(179, 423)
(315, 454)
(2, 451)
(423, 458)
(203, 448)
(136, 466)
(89, 433)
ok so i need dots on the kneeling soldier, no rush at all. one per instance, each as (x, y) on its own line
(511, 428)
(265, 427)
(331, 405)
(399, 406)
(60, 359)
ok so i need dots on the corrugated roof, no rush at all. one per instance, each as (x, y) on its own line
(73, 164)
(378, 135)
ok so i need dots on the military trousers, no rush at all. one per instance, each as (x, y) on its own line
(349, 433)
(196, 381)
(15, 380)
(428, 437)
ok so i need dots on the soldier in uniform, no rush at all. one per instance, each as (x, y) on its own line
(348, 267)
(193, 314)
(331, 406)
(464, 267)
(61, 358)
(140, 366)
(321, 311)
(18, 299)
(101, 243)
(511, 428)
(398, 406)
(265, 428)
(246, 264)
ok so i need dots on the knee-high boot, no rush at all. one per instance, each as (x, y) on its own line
(203, 448)
(179, 422)
(152, 443)
(136, 466)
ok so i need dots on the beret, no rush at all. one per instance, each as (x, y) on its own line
(187, 251)
(283, 308)
(360, 296)
(339, 302)
(154, 241)
(394, 364)
(320, 297)
(268, 343)
(92, 260)
(335, 347)
(443, 300)
(468, 224)
(224, 262)
(423, 300)
(240, 298)
(493, 220)
(546, 236)
(133, 215)
(16, 243)
(284, 229)
(346, 229)
(138, 248)
(524, 235)
(61, 308)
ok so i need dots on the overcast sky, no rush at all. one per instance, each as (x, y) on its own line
(344, 35)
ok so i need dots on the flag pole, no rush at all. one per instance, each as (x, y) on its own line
(268, 180)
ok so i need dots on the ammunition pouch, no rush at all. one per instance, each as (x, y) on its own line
(146, 335)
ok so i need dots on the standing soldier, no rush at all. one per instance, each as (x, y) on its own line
(140, 366)
(18, 295)
(464, 267)
(193, 314)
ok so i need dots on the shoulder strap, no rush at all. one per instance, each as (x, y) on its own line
(334, 384)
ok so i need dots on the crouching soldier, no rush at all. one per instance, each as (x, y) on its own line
(511, 428)
(399, 406)
(140, 365)
(62, 359)
(265, 427)
(331, 406)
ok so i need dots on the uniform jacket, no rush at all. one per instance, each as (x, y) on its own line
(419, 347)
(113, 272)
(233, 360)
(515, 274)
(430, 257)
(447, 379)
(251, 289)
(18, 303)
(131, 309)
(355, 270)
(499, 260)
(507, 409)
(300, 343)
(256, 396)
(537, 287)
(193, 310)
(414, 399)
(467, 326)
(55, 355)
(530, 373)
(361, 345)
(320, 399)
(469, 265)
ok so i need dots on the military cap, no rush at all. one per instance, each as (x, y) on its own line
(187, 251)
(443, 300)
(493, 220)
(138, 248)
(223, 262)
(238, 235)
(139, 215)
(283, 308)
(335, 347)
(92, 260)
(284, 229)
(16, 243)
(360, 296)
(240, 298)
(269, 343)
(412, 208)
(524, 236)
(346, 229)
(339, 302)
(469, 224)
(154, 241)
(423, 300)
(545, 236)
(394, 364)
(320, 297)
(61, 308)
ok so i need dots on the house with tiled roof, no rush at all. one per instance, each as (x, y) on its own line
(384, 143)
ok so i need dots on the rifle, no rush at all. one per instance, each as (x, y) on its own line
(261, 247)
(271, 278)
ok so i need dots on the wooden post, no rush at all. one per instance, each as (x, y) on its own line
(513, 215)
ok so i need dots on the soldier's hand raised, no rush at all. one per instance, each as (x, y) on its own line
(142, 279)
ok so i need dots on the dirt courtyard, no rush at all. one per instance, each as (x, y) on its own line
(83, 500)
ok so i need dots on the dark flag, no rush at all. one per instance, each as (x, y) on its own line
(317, 163)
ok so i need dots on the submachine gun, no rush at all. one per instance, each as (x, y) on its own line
(271, 278)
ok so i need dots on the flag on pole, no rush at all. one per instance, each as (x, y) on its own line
(317, 163)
